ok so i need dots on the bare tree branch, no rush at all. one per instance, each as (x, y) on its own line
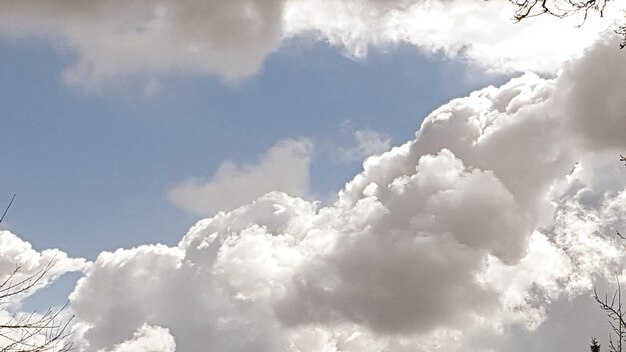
(565, 8)
(32, 332)
(615, 312)
(524, 9)
(7, 209)
(613, 308)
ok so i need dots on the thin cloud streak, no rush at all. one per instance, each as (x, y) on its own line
(367, 142)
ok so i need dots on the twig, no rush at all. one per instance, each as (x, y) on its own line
(7, 209)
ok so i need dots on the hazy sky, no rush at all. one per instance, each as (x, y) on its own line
(299, 175)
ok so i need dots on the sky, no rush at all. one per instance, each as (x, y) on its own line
(299, 175)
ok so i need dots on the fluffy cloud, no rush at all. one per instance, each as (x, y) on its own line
(503, 203)
(148, 339)
(284, 167)
(18, 254)
(118, 38)
(115, 39)
(591, 96)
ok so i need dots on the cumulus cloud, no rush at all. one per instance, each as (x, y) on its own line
(503, 203)
(591, 96)
(117, 39)
(284, 167)
(148, 339)
(16, 253)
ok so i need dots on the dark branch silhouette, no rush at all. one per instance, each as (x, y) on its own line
(595, 346)
(564, 8)
(32, 332)
(532, 8)
(7, 209)
(614, 310)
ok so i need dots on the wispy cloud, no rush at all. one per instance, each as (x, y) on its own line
(366, 143)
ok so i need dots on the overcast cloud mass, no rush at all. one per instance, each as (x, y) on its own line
(506, 200)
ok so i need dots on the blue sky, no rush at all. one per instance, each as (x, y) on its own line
(312, 175)
(94, 167)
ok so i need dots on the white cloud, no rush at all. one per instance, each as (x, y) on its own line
(17, 253)
(114, 39)
(148, 339)
(284, 167)
(505, 202)
(367, 142)
(117, 39)
(482, 32)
